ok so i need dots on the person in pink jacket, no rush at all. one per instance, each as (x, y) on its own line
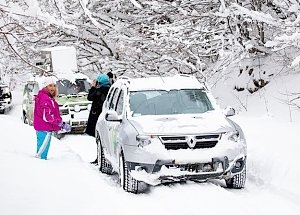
(47, 117)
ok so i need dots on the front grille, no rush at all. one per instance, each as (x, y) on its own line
(194, 142)
(64, 111)
(81, 108)
(79, 123)
(187, 167)
(197, 167)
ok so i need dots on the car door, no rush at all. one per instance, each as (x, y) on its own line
(111, 125)
(102, 125)
(115, 127)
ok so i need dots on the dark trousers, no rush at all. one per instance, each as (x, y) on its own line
(91, 124)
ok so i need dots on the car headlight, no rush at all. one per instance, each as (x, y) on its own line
(233, 136)
(76, 108)
(144, 140)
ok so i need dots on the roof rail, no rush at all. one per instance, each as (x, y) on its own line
(202, 80)
(184, 75)
(123, 77)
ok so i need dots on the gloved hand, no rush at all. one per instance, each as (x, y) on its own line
(66, 127)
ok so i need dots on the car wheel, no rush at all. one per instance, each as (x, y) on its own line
(103, 163)
(128, 183)
(237, 181)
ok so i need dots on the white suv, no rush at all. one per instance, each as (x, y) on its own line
(165, 129)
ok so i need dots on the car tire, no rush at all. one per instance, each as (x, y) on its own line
(103, 163)
(237, 181)
(128, 183)
(2, 111)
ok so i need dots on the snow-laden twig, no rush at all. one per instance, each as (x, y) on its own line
(24, 60)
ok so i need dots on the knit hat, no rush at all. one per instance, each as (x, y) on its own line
(49, 80)
(103, 80)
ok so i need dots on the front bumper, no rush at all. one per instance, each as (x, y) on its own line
(78, 126)
(154, 164)
(169, 171)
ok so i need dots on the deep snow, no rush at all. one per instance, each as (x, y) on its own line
(68, 184)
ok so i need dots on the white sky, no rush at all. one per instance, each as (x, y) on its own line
(68, 184)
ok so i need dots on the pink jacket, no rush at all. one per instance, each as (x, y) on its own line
(46, 112)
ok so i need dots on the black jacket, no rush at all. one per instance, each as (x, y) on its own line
(97, 95)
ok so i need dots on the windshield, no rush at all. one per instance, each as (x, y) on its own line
(70, 88)
(161, 102)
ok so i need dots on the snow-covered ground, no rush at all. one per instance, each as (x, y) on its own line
(68, 184)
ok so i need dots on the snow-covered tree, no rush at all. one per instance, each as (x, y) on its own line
(143, 37)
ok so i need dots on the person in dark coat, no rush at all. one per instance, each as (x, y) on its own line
(111, 76)
(97, 95)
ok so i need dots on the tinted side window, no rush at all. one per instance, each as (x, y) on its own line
(31, 88)
(112, 103)
(119, 107)
(109, 95)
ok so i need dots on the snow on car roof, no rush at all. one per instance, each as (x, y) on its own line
(164, 83)
(70, 77)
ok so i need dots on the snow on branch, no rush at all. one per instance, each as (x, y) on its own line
(254, 15)
(136, 4)
(35, 12)
(89, 14)
(284, 40)
(296, 62)
(17, 53)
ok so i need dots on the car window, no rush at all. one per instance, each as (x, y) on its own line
(31, 88)
(67, 87)
(161, 102)
(119, 106)
(109, 95)
(113, 101)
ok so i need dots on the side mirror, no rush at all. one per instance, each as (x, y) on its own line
(112, 116)
(229, 111)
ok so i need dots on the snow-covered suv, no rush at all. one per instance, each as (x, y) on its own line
(165, 129)
(72, 99)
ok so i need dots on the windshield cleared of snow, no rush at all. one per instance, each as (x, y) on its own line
(160, 102)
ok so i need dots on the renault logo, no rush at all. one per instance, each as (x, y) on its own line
(191, 141)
